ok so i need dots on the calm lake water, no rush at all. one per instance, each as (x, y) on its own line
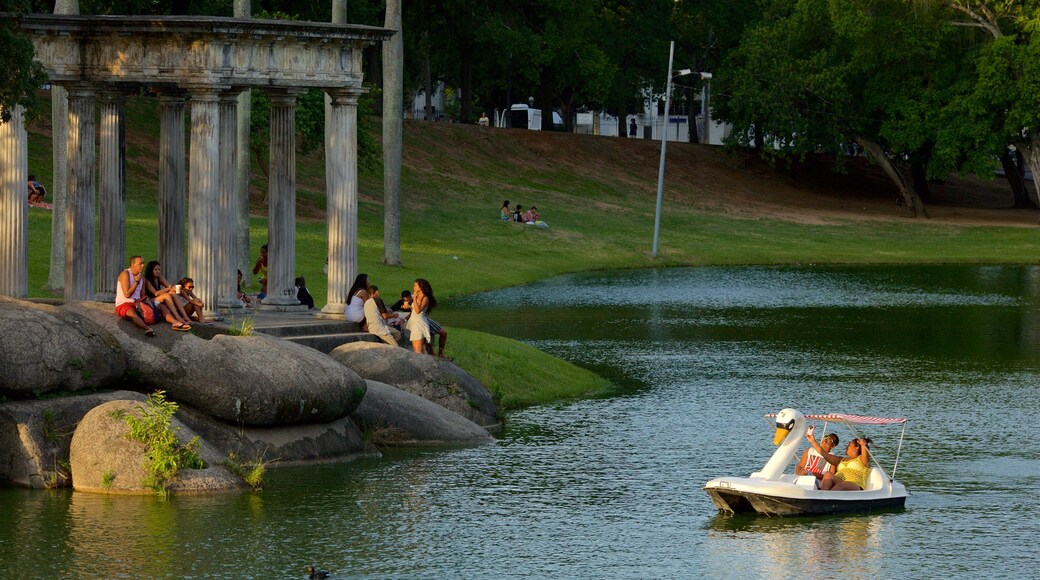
(612, 486)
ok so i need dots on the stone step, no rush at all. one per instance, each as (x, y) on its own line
(326, 343)
(309, 329)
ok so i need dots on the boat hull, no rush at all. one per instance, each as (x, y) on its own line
(737, 501)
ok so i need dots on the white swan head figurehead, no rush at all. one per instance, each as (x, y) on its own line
(790, 428)
(786, 421)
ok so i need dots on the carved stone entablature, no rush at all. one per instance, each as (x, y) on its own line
(199, 50)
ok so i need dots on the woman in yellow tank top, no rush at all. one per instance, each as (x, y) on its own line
(852, 470)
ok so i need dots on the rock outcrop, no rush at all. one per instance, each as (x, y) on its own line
(254, 380)
(48, 348)
(397, 417)
(336, 440)
(431, 378)
(103, 460)
(35, 436)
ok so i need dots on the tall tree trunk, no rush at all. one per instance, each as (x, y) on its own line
(466, 92)
(1013, 174)
(919, 181)
(877, 155)
(1031, 150)
(427, 77)
(243, 9)
(545, 99)
(393, 88)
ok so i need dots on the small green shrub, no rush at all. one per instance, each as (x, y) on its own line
(165, 453)
(106, 480)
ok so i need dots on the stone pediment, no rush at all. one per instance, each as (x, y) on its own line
(199, 50)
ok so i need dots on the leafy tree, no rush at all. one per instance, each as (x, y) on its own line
(20, 75)
(816, 75)
(997, 100)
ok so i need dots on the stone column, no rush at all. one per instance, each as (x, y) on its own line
(171, 186)
(112, 206)
(227, 257)
(203, 186)
(59, 189)
(281, 196)
(79, 207)
(14, 213)
(60, 169)
(242, 222)
(341, 208)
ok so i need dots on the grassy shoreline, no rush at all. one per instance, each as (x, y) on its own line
(596, 193)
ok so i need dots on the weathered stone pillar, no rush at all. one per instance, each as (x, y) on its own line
(281, 207)
(59, 189)
(79, 207)
(14, 213)
(112, 206)
(60, 169)
(227, 257)
(242, 222)
(203, 185)
(171, 186)
(341, 207)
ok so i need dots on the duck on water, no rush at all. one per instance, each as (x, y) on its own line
(773, 492)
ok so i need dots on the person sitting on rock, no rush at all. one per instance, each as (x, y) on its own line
(129, 289)
(163, 294)
(403, 307)
(374, 319)
(192, 304)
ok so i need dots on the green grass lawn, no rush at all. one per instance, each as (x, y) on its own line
(600, 208)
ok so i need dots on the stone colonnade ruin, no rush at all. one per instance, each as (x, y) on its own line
(202, 64)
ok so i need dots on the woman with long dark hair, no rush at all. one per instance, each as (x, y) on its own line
(162, 293)
(423, 301)
(356, 296)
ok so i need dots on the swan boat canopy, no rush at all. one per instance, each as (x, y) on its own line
(773, 492)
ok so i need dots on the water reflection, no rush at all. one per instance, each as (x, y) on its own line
(612, 486)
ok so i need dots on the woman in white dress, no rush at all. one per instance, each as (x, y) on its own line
(355, 310)
(418, 326)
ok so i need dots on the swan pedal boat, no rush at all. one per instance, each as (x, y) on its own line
(773, 492)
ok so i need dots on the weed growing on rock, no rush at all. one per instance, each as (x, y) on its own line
(251, 472)
(165, 453)
(242, 327)
(106, 479)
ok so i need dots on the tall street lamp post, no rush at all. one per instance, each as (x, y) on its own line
(664, 145)
(664, 138)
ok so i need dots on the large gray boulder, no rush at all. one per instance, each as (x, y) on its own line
(47, 348)
(103, 460)
(397, 417)
(431, 378)
(35, 436)
(333, 441)
(256, 380)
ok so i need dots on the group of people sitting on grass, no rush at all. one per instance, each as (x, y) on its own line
(530, 217)
(144, 297)
(411, 313)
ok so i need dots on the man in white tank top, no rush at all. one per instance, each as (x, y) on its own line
(812, 463)
(129, 289)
